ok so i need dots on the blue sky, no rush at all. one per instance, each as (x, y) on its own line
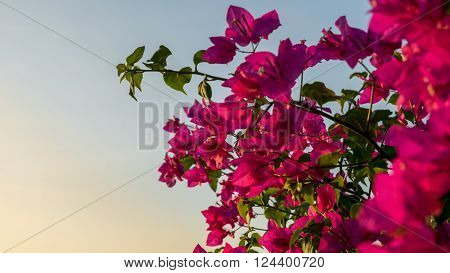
(70, 132)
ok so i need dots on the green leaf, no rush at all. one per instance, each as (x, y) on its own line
(276, 215)
(398, 55)
(393, 99)
(135, 56)
(340, 182)
(187, 162)
(204, 90)
(357, 117)
(445, 214)
(295, 237)
(331, 159)
(121, 68)
(198, 57)
(359, 75)
(243, 209)
(137, 80)
(349, 94)
(390, 151)
(178, 80)
(304, 158)
(380, 115)
(319, 92)
(159, 59)
(354, 210)
(131, 93)
(214, 178)
(308, 194)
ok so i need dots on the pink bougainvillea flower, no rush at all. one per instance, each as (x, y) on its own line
(217, 218)
(379, 92)
(326, 198)
(330, 244)
(276, 240)
(199, 249)
(232, 115)
(244, 84)
(293, 169)
(277, 74)
(214, 153)
(229, 249)
(222, 52)
(171, 171)
(286, 120)
(404, 199)
(196, 176)
(172, 125)
(264, 73)
(253, 175)
(182, 141)
(396, 20)
(243, 28)
(226, 193)
(351, 45)
(419, 78)
(406, 78)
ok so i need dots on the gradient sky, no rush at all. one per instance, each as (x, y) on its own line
(69, 131)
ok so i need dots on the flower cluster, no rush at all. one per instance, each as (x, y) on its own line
(327, 171)
(407, 212)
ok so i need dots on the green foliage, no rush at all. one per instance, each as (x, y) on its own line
(308, 194)
(204, 90)
(214, 178)
(159, 59)
(357, 117)
(187, 162)
(329, 160)
(198, 58)
(359, 75)
(177, 80)
(121, 68)
(393, 99)
(319, 92)
(354, 210)
(295, 237)
(136, 56)
(243, 209)
(276, 215)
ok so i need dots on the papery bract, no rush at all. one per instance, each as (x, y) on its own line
(222, 52)
(243, 28)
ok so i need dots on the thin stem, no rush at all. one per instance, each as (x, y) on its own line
(211, 77)
(275, 208)
(301, 87)
(260, 117)
(366, 68)
(243, 51)
(350, 191)
(369, 114)
(360, 164)
(258, 229)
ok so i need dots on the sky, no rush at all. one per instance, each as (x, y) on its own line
(72, 176)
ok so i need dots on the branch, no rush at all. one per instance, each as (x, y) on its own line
(216, 78)
(260, 116)
(275, 208)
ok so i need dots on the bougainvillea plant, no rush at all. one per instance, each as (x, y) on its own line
(318, 171)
